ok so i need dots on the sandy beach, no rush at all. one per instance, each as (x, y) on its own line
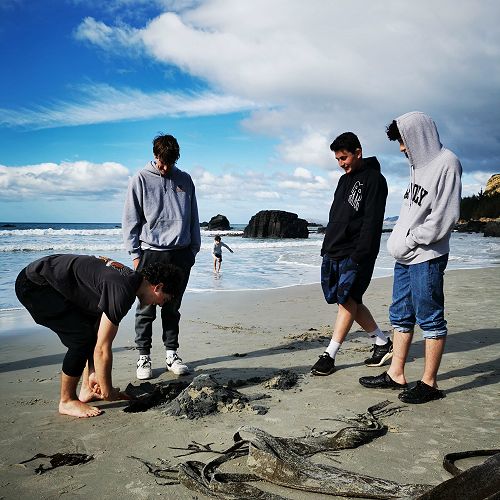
(268, 330)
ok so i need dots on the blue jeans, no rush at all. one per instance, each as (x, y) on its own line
(418, 297)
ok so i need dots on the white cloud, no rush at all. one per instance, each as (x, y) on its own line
(310, 149)
(303, 173)
(80, 179)
(267, 195)
(103, 103)
(309, 71)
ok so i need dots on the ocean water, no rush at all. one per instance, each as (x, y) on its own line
(255, 264)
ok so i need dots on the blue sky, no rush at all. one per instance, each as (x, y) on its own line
(254, 91)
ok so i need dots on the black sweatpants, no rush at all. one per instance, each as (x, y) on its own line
(170, 315)
(76, 329)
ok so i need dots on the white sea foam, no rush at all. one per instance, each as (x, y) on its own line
(16, 233)
(69, 246)
(256, 264)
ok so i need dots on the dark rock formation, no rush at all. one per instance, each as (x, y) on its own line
(204, 224)
(219, 223)
(470, 226)
(492, 228)
(276, 224)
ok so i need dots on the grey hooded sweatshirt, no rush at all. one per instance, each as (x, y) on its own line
(160, 212)
(431, 204)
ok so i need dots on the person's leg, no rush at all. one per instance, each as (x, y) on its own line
(170, 314)
(215, 263)
(402, 318)
(220, 263)
(75, 330)
(365, 319)
(401, 347)
(434, 349)
(345, 318)
(145, 315)
(69, 404)
(429, 306)
(337, 278)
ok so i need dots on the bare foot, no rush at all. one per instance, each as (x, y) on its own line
(87, 395)
(77, 408)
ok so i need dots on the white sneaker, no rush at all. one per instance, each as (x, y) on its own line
(175, 365)
(144, 370)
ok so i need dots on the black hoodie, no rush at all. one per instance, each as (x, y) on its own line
(357, 214)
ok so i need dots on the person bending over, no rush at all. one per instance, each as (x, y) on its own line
(82, 299)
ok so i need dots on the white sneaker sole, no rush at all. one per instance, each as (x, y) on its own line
(382, 361)
(178, 370)
(144, 375)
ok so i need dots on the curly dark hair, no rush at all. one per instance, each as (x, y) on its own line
(347, 141)
(392, 131)
(170, 275)
(166, 149)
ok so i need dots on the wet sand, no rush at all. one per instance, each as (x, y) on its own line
(269, 330)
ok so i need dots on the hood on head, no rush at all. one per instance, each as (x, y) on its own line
(420, 136)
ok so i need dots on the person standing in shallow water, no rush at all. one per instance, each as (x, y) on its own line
(350, 247)
(160, 224)
(217, 252)
(420, 243)
(83, 299)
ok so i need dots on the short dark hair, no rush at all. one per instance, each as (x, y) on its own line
(170, 275)
(392, 131)
(166, 149)
(217, 237)
(348, 141)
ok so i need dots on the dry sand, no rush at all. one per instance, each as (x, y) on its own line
(275, 329)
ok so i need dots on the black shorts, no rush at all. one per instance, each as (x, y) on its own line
(218, 256)
(76, 329)
(343, 278)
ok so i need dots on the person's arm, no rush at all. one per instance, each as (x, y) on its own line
(371, 230)
(132, 220)
(103, 361)
(224, 245)
(445, 211)
(195, 225)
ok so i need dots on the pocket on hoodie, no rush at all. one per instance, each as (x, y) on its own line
(396, 244)
(164, 233)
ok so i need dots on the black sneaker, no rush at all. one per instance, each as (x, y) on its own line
(324, 366)
(381, 353)
(420, 393)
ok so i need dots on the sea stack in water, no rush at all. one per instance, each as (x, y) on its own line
(276, 224)
(219, 223)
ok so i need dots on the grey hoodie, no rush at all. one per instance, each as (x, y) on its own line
(431, 204)
(160, 212)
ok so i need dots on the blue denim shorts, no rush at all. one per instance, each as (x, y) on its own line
(344, 278)
(418, 297)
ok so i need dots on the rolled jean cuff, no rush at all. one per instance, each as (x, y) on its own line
(403, 329)
(434, 334)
